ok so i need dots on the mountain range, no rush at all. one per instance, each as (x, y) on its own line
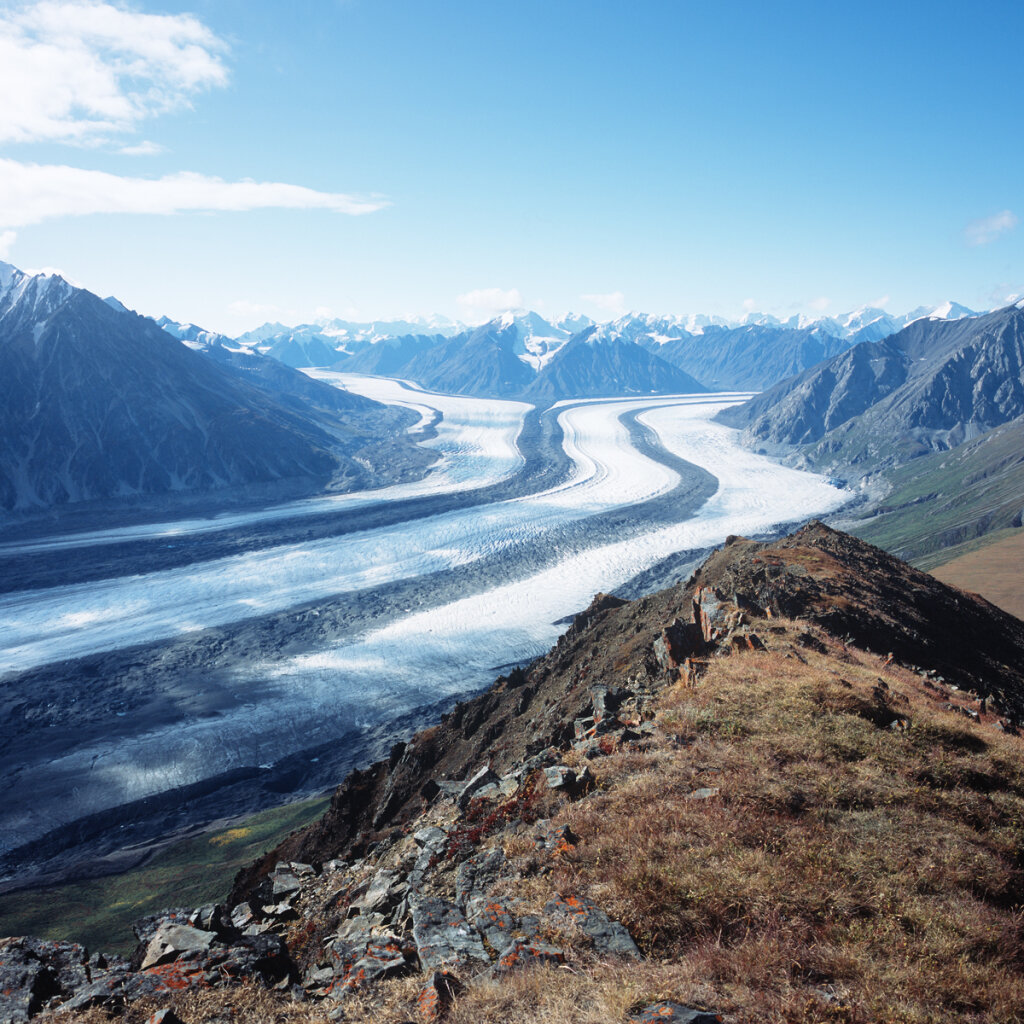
(710, 352)
(931, 418)
(98, 402)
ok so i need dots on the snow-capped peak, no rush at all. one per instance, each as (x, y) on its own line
(43, 292)
(945, 311)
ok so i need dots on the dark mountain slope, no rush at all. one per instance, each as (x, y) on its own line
(930, 387)
(479, 362)
(948, 498)
(589, 368)
(96, 402)
(749, 358)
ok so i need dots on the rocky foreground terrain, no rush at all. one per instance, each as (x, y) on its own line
(790, 789)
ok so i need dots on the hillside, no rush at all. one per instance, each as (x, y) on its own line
(747, 358)
(930, 387)
(99, 403)
(790, 789)
(993, 570)
(946, 499)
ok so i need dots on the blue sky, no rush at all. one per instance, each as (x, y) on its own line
(459, 157)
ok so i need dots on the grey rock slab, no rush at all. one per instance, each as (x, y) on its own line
(356, 963)
(704, 793)
(431, 836)
(285, 883)
(560, 776)
(386, 889)
(608, 936)
(484, 777)
(477, 874)
(523, 954)
(172, 941)
(443, 936)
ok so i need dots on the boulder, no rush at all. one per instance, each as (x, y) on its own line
(608, 937)
(35, 971)
(443, 936)
(164, 1016)
(525, 953)
(173, 941)
(477, 874)
(145, 927)
(356, 963)
(677, 642)
(484, 777)
(386, 891)
(555, 838)
(715, 616)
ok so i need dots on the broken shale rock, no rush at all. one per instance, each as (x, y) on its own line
(608, 937)
(443, 936)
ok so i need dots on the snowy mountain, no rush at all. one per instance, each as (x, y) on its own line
(190, 334)
(323, 343)
(749, 354)
(931, 386)
(98, 402)
(525, 356)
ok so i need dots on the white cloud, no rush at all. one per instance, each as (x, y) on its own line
(81, 70)
(32, 193)
(490, 301)
(880, 303)
(820, 304)
(613, 302)
(143, 149)
(988, 229)
(7, 239)
(750, 305)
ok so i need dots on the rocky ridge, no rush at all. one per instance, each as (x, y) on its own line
(434, 862)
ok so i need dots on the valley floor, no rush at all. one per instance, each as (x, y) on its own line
(174, 662)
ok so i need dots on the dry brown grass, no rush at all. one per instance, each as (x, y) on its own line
(994, 572)
(243, 1004)
(881, 868)
(846, 873)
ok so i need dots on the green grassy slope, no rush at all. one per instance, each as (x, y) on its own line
(952, 498)
(99, 912)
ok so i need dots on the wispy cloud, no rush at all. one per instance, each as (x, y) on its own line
(485, 302)
(988, 229)
(83, 70)
(7, 239)
(142, 149)
(32, 193)
(820, 304)
(613, 302)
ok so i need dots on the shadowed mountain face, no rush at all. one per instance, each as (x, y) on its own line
(524, 357)
(747, 358)
(96, 403)
(585, 368)
(932, 386)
